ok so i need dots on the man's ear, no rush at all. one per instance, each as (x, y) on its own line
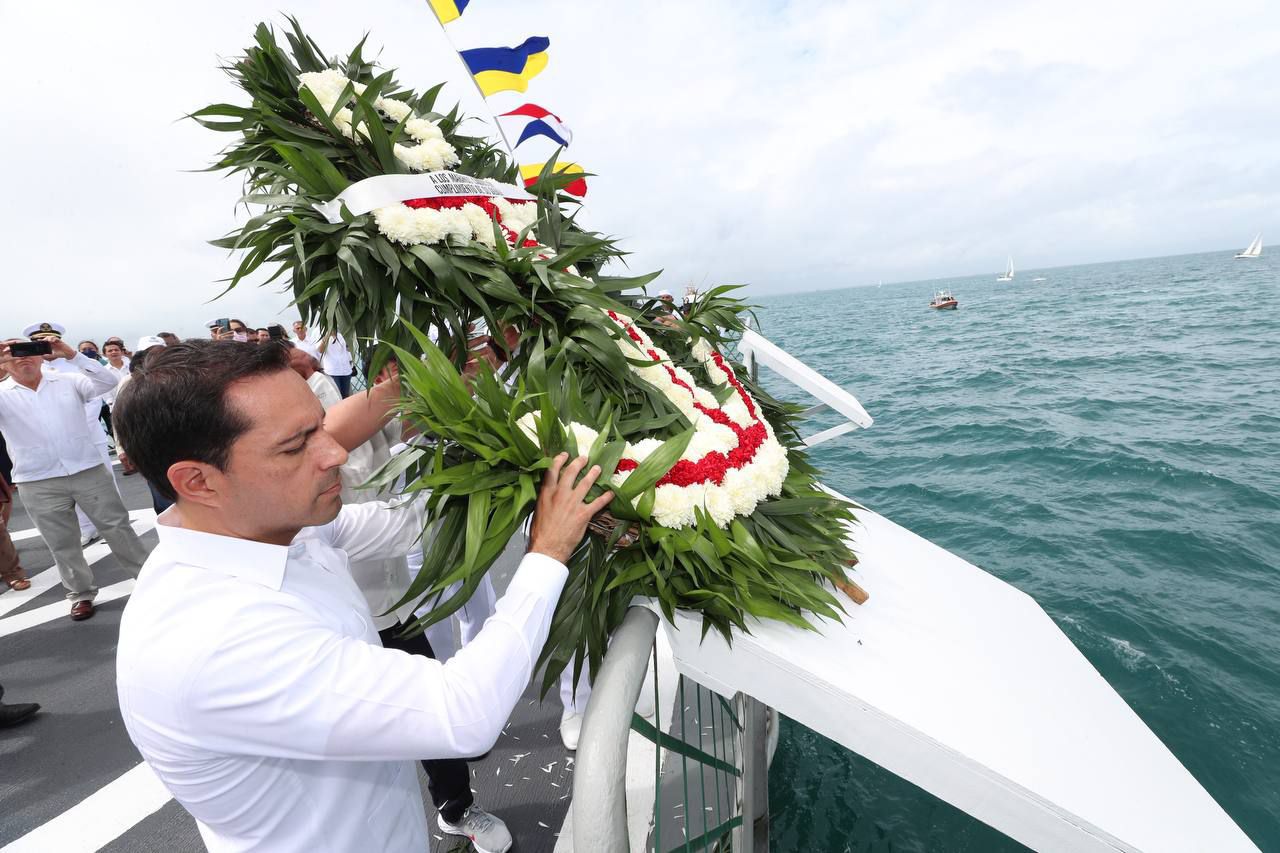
(198, 482)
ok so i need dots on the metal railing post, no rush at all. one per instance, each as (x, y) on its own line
(753, 835)
(600, 772)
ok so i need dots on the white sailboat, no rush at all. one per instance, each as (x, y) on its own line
(1254, 250)
(1008, 273)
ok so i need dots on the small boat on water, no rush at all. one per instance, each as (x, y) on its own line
(1254, 250)
(1008, 273)
(944, 300)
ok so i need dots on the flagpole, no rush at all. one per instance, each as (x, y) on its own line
(510, 148)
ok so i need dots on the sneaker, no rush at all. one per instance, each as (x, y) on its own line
(89, 538)
(570, 728)
(487, 833)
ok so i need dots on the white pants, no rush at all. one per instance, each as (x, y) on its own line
(470, 617)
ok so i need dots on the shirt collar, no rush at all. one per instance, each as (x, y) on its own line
(258, 562)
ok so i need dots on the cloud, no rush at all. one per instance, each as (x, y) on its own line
(789, 145)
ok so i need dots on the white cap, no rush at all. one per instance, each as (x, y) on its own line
(662, 293)
(211, 324)
(45, 330)
(148, 341)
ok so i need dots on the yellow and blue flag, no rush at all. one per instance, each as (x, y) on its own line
(529, 172)
(448, 10)
(507, 69)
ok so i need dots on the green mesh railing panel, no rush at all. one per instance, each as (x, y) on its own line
(697, 770)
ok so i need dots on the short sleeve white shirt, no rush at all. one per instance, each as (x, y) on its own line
(337, 358)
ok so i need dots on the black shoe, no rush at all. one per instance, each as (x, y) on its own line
(11, 715)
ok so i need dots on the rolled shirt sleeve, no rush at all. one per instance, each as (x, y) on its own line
(94, 379)
(377, 530)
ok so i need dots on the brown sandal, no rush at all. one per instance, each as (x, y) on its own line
(18, 584)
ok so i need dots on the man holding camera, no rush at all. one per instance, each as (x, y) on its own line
(57, 464)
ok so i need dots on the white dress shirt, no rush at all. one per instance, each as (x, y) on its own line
(47, 430)
(383, 582)
(337, 358)
(308, 347)
(251, 680)
(120, 373)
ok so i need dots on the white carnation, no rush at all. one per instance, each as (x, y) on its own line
(744, 489)
(640, 450)
(481, 224)
(422, 130)
(427, 156)
(326, 85)
(718, 505)
(395, 110)
(584, 435)
(702, 350)
(673, 505)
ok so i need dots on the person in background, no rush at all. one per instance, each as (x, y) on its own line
(239, 331)
(300, 340)
(146, 346)
(169, 338)
(263, 336)
(90, 349)
(118, 364)
(92, 411)
(11, 572)
(58, 466)
(335, 361)
(383, 582)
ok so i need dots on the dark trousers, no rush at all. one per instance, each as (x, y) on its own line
(448, 779)
(104, 415)
(343, 383)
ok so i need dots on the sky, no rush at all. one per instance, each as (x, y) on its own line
(788, 146)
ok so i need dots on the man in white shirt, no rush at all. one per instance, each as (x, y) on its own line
(249, 673)
(118, 364)
(58, 465)
(300, 340)
(335, 361)
(383, 582)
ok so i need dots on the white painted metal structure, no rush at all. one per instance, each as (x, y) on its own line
(756, 350)
(962, 684)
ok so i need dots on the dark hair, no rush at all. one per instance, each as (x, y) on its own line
(175, 407)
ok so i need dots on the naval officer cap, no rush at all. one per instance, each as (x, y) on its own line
(42, 331)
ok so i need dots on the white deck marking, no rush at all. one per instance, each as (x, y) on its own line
(60, 609)
(100, 818)
(142, 520)
(134, 515)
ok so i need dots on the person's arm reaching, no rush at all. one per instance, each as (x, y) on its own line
(99, 379)
(281, 684)
(354, 421)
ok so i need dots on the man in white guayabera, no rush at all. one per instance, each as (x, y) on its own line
(249, 672)
(57, 463)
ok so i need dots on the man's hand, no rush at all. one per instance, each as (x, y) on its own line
(561, 518)
(61, 349)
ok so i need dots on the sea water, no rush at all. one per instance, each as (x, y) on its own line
(1106, 440)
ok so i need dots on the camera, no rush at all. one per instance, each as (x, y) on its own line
(21, 349)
